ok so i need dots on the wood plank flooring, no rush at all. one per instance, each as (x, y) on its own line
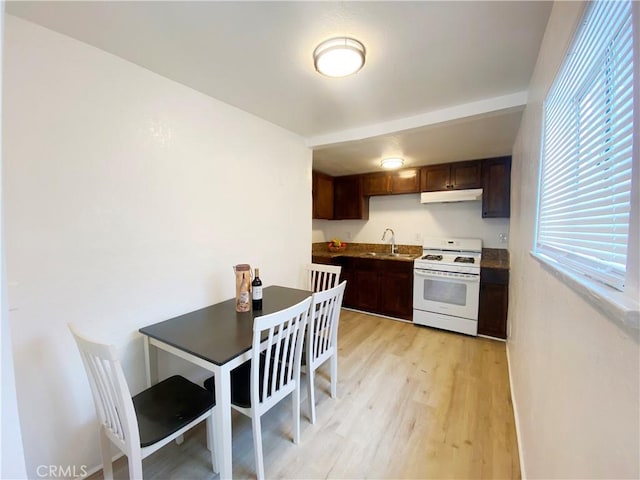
(413, 402)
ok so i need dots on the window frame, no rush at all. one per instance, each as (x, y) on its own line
(621, 306)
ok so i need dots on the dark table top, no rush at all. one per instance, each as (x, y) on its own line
(218, 333)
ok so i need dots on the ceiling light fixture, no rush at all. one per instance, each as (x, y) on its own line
(339, 57)
(394, 162)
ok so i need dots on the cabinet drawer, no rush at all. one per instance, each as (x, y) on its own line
(499, 276)
(324, 260)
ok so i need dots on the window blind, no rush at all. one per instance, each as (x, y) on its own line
(586, 168)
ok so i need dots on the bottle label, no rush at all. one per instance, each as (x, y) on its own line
(243, 302)
(257, 292)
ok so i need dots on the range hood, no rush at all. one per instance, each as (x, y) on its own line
(446, 196)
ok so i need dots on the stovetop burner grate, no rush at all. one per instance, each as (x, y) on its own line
(464, 260)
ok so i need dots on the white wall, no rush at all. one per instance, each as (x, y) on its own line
(128, 198)
(11, 451)
(575, 373)
(412, 221)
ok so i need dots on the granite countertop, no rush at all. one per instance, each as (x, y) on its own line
(364, 250)
(495, 258)
(491, 257)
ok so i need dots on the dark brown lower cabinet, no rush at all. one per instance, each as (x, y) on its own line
(378, 286)
(366, 294)
(350, 292)
(494, 301)
(396, 293)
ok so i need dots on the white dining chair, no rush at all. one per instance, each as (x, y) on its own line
(321, 342)
(140, 425)
(322, 277)
(278, 340)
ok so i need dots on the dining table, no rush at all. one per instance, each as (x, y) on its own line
(218, 339)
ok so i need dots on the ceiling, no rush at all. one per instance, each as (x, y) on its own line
(443, 81)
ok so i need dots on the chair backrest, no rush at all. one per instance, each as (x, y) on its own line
(324, 316)
(283, 334)
(322, 277)
(111, 395)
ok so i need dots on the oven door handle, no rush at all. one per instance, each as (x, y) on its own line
(453, 276)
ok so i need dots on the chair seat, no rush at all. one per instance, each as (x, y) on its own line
(166, 407)
(241, 383)
(240, 390)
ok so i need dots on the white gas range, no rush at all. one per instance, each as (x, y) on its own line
(446, 286)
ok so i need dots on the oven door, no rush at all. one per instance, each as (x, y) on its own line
(446, 293)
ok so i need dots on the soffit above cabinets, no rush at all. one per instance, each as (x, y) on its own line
(482, 136)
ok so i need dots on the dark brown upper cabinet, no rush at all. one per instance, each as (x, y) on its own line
(496, 187)
(378, 183)
(406, 180)
(322, 191)
(347, 197)
(349, 202)
(451, 176)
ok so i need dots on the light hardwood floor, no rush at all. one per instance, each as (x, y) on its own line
(413, 402)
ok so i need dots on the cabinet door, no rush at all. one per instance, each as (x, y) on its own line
(322, 196)
(405, 181)
(367, 292)
(492, 312)
(466, 175)
(396, 294)
(376, 184)
(357, 273)
(348, 201)
(434, 178)
(351, 291)
(451, 176)
(496, 185)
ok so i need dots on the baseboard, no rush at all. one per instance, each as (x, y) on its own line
(97, 468)
(516, 418)
(377, 315)
(504, 340)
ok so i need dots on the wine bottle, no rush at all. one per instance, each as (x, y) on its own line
(256, 286)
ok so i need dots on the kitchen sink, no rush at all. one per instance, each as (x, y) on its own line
(388, 255)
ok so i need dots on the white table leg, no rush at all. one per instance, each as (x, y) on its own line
(222, 422)
(150, 362)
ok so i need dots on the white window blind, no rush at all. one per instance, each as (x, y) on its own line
(586, 168)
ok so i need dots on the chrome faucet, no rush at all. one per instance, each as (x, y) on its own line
(393, 240)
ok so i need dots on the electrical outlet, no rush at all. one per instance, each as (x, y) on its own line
(418, 237)
(503, 237)
(349, 236)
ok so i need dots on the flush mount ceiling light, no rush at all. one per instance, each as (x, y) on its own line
(339, 57)
(392, 162)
